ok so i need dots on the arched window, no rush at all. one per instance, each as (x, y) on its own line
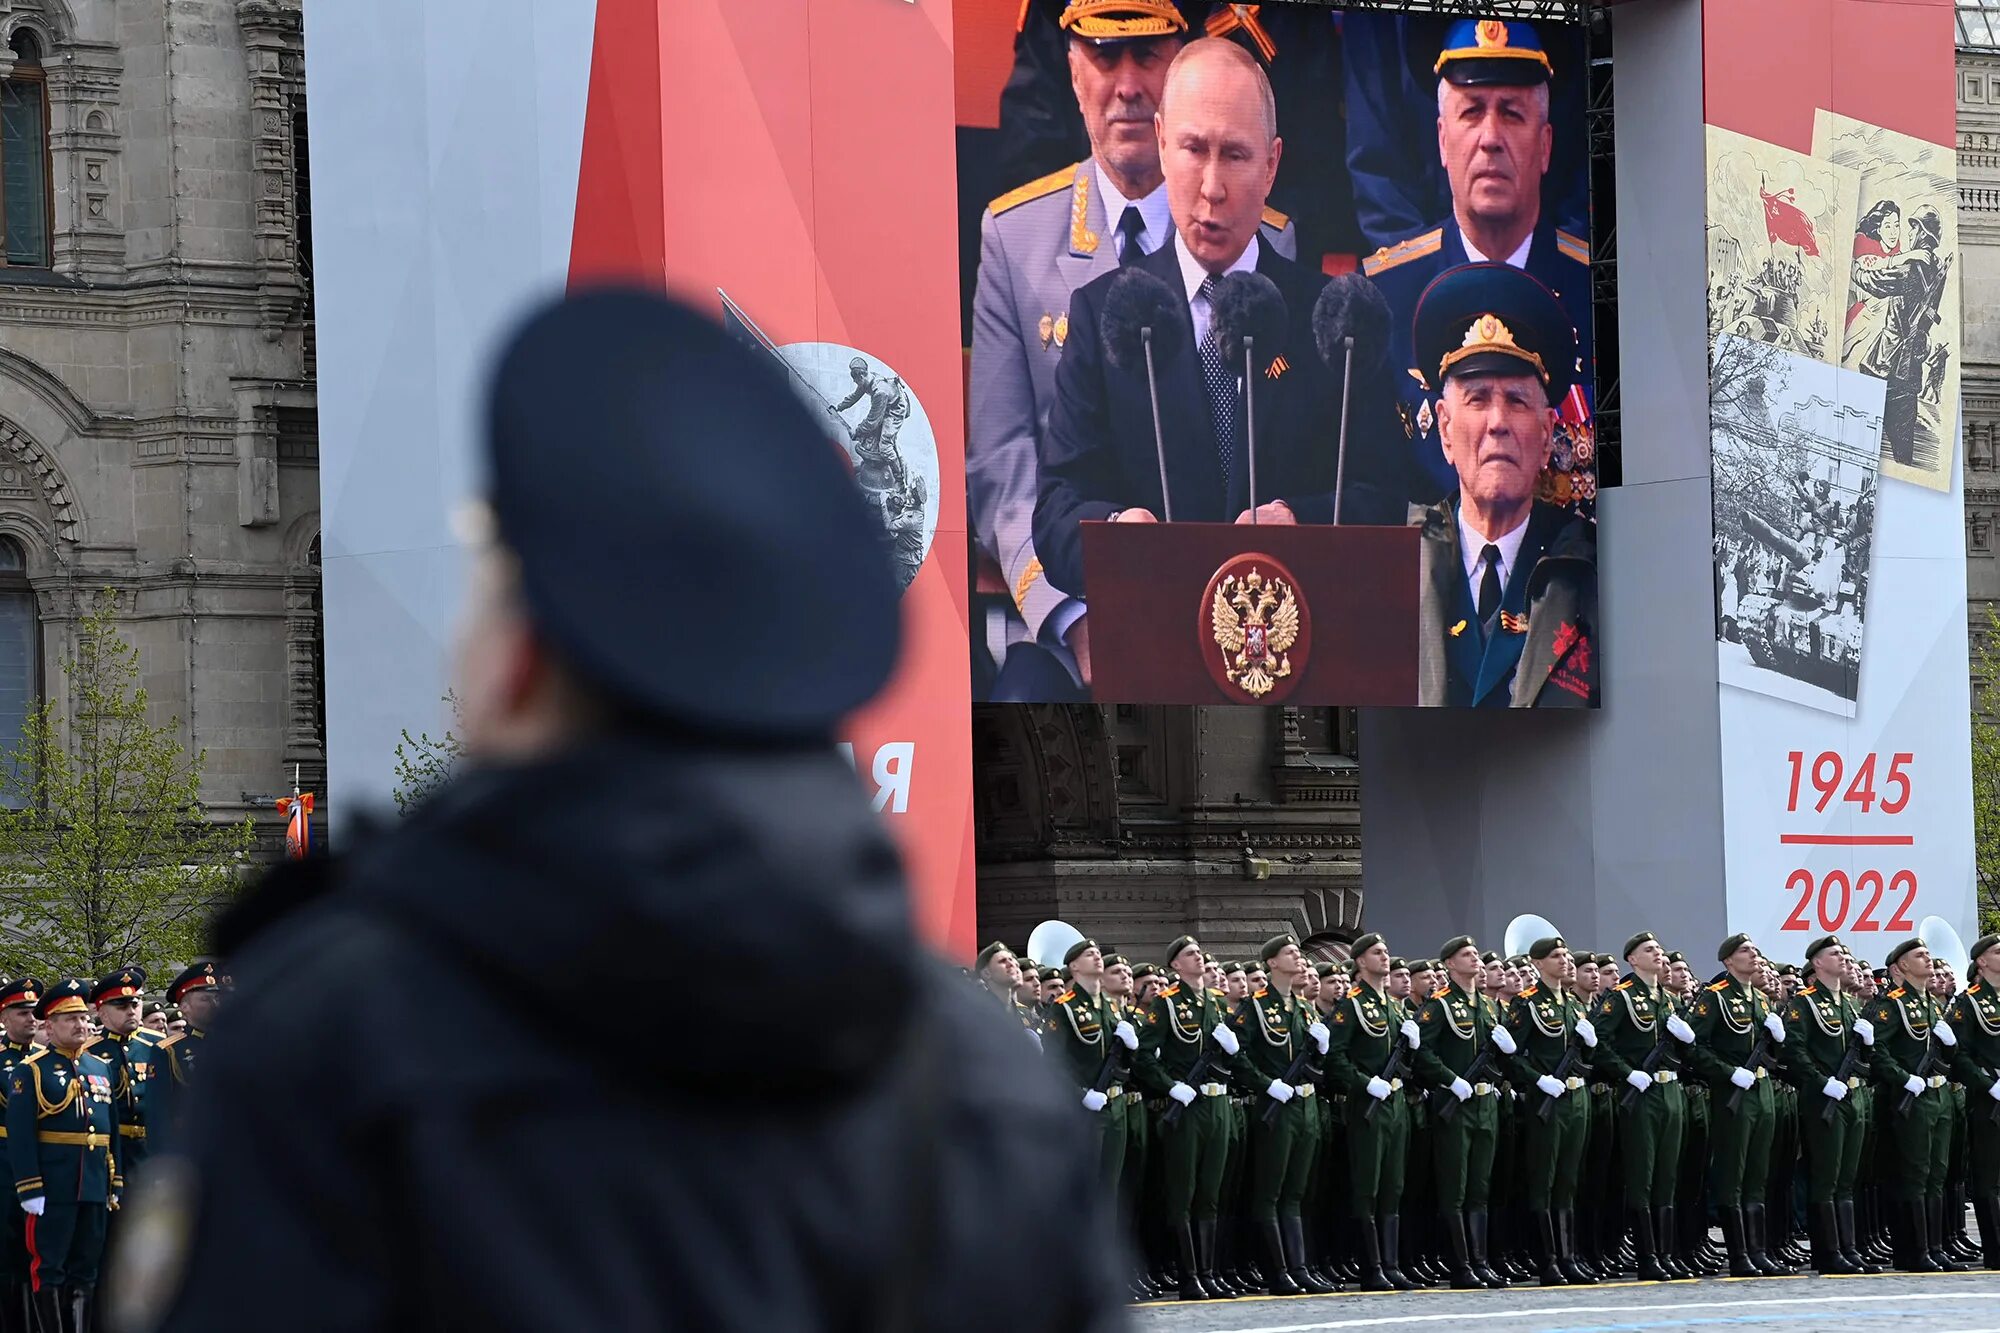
(25, 204)
(20, 647)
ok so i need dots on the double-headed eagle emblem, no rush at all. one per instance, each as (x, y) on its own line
(1256, 621)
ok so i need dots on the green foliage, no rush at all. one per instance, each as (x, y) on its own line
(1986, 770)
(109, 856)
(423, 765)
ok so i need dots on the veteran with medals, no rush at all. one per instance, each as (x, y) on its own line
(1975, 1016)
(1640, 1033)
(1735, 1031)
(1366, 1031)
(1554, 1036)
(1462, 1041)
(1508, 613)
(1913, 1042)
(1083, 1029)
(1822, 1026)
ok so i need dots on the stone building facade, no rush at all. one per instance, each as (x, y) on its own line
(157, 433)
(1979, 269)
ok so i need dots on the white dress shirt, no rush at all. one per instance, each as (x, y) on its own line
(1193, 275)
(1519, 259)
(1153, 211)
(1472, 548)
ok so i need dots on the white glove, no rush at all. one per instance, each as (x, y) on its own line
(1775, 1026)
(1503, 1039)
(1125, 1033)
(1838, 1091)
(1225, 1038)
(1416, 1038)
(1865, 1030)
(1587, 1032)
(1944, 1033)
(34, 1205)
(1678, 1026)
(1379, 1089)
(1547, 1083)
(1463, 1090)
(1094, 1100)
(1182, 1093)
(1319, 1034)
(1639, 1079)
(1280, 1090)
(1741, 1077)
(1913, 1085)
(1994, 1091)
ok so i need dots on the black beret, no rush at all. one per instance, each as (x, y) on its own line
(1518, 960)
(1069, 955)
(1363, 945)
(1052, 974)
(1274, 946)
(1493, 319)
(628, 432)
(124, 984)
(1542, 948)
(1821, 945)
(1454, 944)
(988, 954)
(1788, 969)
(195, 976)
(1730, 946)
(1174, 949)
(65, 997)
(21, 990)
(1896, 953)
(1981, 945)
(1145, 970)
(1643, 937)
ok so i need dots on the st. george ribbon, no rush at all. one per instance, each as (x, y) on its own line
(1350, 324)
(1136, 304)
(1249, 317)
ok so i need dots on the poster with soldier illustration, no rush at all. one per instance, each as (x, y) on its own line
(1776, 221)
(1901, 322)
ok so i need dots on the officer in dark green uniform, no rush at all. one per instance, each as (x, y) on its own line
(1084, 1033)
(197, 992)
(1188, 1047)
(999, 970)
(1736, 1032)
(1975, 1017)
(63, 1144)
(1463, 1045)
(18, 997)
(1554, 1037)
(1278, 1034)
(1912, 1050)
(1821, 1024)
(1367, 1031)
(130, 1049)
(1640, 1033)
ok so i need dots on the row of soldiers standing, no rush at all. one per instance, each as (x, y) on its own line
(1291, 1127)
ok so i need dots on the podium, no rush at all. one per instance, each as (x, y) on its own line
(1238, 613)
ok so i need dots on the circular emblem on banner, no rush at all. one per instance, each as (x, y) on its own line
(1255, 629)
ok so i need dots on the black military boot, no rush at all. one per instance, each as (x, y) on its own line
(1574, 1270)
(1462, 1276)
(1204, 1258)
(1542, 1235)
(1192, 1287)
(82, 1305)
(1847, 1241)
(1646, 1265)
(1755, 1219)
(1292, 1234)
(46, 1305)
(1934, 1236)
(1914, 1254)
(1957, 1245)
(1369, 1242)
(1666, 1239)
(1475, 1239)
(1390, 1228)
(1276, 1280)
(1735, 1241)
(1828, 1256)
(15, 1316)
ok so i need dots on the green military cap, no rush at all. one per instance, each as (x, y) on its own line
(1454, 944)
(1174, 949)
(1325, 970)
(1069, 956)
(1730, 946)
(1788, 969)
(988, 954)
(1276, 945)
(1642, 938)
(1364, 944)
(1051, 973)
(1489, 957)
(1606, 960)
(1232, 966)
(1145, 970)
(1399, 964)
(1518, 960)
(1896, 953)
(1542, 948)
(1981, 945)
(1676, 956)
(1825, 942)
(1116, 960)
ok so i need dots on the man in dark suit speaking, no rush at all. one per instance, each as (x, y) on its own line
(1219, 151)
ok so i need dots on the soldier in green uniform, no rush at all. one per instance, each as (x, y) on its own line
(1278, 1033)
(18, 997)
(1367, 1030)
(1821, 1025)
(1463, 1044)
(1975, 1016)
(999, 970)
(1912, 1050)
(1639, 1033)
(1082, 1033)
(1736, 1033)
(63, 1144)
(1188, 1047)
(1554, 1036)
(1120, 989)
(1232, 1218)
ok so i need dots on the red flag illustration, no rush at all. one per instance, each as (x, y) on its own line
(1786, 221)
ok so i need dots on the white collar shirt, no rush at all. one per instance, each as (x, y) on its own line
(1153, 211)
(1472, 550)
(1193, 274)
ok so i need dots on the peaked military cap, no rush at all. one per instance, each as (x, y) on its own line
(1276, 945)
(1730, 946)
(1981, 945)
(195, 976)
(124, 984)
(1070, 954)
(1482, 52)
(1363, 945)
(1825, 942)
(1174, 949)
(1542, 948)
(1896, 953)
(1454, 944)
(1102, 21)
(65, 997)
(988, 954)
(1493, 319)
(626, 430)
(21, 990)
(1643, 937)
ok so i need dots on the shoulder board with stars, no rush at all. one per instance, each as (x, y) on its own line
(1573, 247)
(1416, 247)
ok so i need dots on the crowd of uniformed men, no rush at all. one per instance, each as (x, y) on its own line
(1288, 1126)
(89, 1072)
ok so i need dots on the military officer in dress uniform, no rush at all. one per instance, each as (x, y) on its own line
(130, 1049)
(1495, 140)
(1555, 1037)
(1038, 244)
(1738, 1036)
(1912, 1052)
(1085, 1032)
(1639, 1033)
(197, 992)
(1373, 1038)
(62, 1141)
(1975, 1016)
(1822, 1025)
(18, 998)
(1460, 1055)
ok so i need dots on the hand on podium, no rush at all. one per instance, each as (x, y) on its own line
(1135, 515)
(1272, 511)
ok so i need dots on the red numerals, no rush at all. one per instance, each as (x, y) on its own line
(1828, 903)
(1827, 770)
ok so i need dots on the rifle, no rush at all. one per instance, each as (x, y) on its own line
(1196, 1076)
(1933, 1059)
(1850, 1056)
(1300, 1064)
(1482, 1061)
(1649, 1064)
(1391, 1071)
(1760, 1056)
(1571, 1050)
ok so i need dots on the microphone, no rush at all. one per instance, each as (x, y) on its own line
(1350, 324)
(1248, 315)
(1135, 304)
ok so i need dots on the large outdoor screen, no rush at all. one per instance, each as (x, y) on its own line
(1213, 455)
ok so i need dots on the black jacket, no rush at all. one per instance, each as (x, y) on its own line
(639, 1038)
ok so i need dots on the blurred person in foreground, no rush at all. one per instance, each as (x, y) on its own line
(647, 799)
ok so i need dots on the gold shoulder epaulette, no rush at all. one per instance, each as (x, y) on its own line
(1034, 189)
(1174, 989)
(1402, 252)
(1575, 247)
(1273, 218)
(1259, 994)
(1066, 997)
(1896, 994)
(1719, 986)
(34, 1056)
(1624, 985)
(1441, 992)
(171, 1041)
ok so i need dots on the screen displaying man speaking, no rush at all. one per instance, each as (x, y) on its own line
(1174, 328)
